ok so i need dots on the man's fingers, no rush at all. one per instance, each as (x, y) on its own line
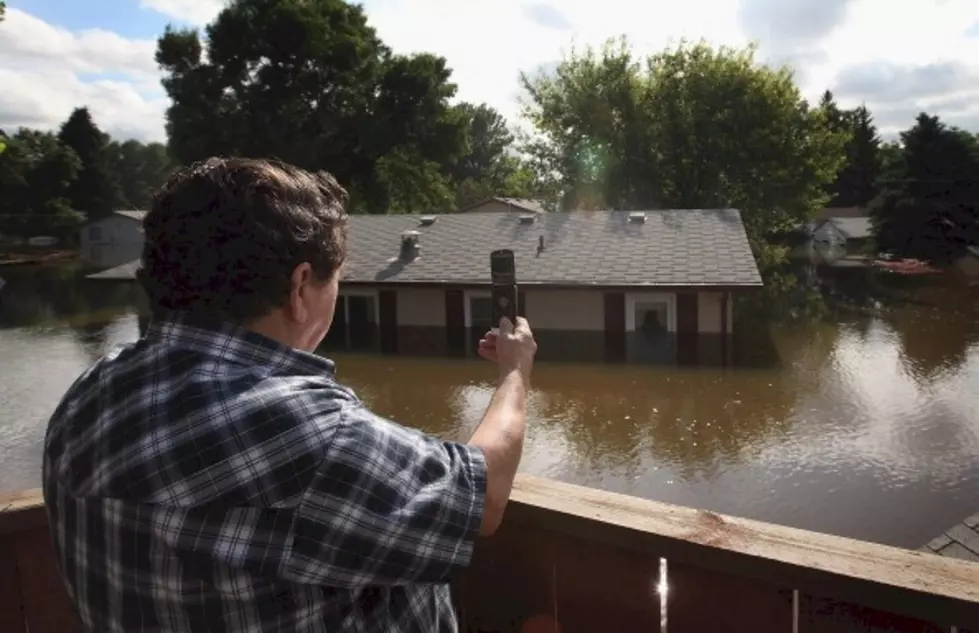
(505, 326)
(522, 324)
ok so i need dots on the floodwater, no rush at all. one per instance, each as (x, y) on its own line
(866, 427)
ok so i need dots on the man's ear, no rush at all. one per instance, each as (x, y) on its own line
(300, 279)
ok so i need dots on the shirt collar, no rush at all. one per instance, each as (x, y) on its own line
(235, 344)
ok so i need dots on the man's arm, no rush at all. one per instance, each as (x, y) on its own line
(500, 437)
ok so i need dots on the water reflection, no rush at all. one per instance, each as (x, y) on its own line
(867, 427)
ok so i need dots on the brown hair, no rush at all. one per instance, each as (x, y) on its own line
(223, 236)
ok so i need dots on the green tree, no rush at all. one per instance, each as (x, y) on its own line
(141, 169)
(36, 174)
(856, 183)
(308, 81)
(95, 192)
(489, 167)
(691, 127)
(928, 206)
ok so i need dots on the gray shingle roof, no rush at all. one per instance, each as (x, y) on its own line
(601, 248)
(595, 248)
(853, 228)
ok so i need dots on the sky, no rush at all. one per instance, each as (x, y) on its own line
(897, 57)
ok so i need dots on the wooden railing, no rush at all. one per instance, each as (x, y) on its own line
(608, 563)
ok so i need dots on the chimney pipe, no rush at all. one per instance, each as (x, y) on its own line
(410, 246)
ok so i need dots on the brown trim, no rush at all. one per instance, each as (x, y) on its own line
(455, 319)
(688, 327)
(387, 301)
(615, 338)
(687, 313)
(725, 327)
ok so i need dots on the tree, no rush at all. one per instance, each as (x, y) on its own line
(691, 127)
(856, 183)
(928, 207)
(308, 81)
(36, 173)
(95, 192)
(488, 168)
(141, 169)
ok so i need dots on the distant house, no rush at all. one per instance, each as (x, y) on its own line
(617, 285)
(113, 240)
(849, 234)
(506, 204)
(844, 212)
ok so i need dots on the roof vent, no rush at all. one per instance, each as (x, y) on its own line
(410, 246)
(427, 220)
(638, 217)
(527, 218)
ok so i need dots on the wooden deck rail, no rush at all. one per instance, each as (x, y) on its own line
(600, 562)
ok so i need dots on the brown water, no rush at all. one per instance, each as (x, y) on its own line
(866, 427)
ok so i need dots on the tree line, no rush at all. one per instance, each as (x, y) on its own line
(694, 126)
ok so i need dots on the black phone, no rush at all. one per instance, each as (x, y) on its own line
(503, 275)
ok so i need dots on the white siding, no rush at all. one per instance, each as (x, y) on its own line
(709, 312)
(580, 310)
(421, 307)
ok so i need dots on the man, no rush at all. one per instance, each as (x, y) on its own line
(215, 477)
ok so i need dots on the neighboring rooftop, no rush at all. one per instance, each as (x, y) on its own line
(701, 248)
(125, 272)
(853, 228)
(517, 204)
(136, 215)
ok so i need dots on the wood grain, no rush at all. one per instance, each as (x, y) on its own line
(22, 511)
(917, 584)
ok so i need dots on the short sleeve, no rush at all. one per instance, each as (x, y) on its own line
(387, 506)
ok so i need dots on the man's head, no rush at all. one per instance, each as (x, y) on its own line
(257, 243)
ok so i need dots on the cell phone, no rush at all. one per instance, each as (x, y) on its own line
(503, 275)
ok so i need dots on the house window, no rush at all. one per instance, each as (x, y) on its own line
(357, 314)
(95, 233)
(479, 311)
(651, 314)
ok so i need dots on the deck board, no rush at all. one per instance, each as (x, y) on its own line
(959, 541)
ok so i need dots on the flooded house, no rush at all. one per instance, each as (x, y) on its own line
(113, 240)
(634, 286)
(607, 285)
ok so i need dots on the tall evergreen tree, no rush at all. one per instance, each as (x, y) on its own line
(95, 192)
(928, 208)
(856, 184)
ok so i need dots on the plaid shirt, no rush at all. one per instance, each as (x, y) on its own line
(208, 479)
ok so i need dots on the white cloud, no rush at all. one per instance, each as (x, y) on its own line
(875, 51)
(46, 72)
(191, 11)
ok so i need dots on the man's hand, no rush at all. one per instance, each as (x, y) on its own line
(511, 347)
